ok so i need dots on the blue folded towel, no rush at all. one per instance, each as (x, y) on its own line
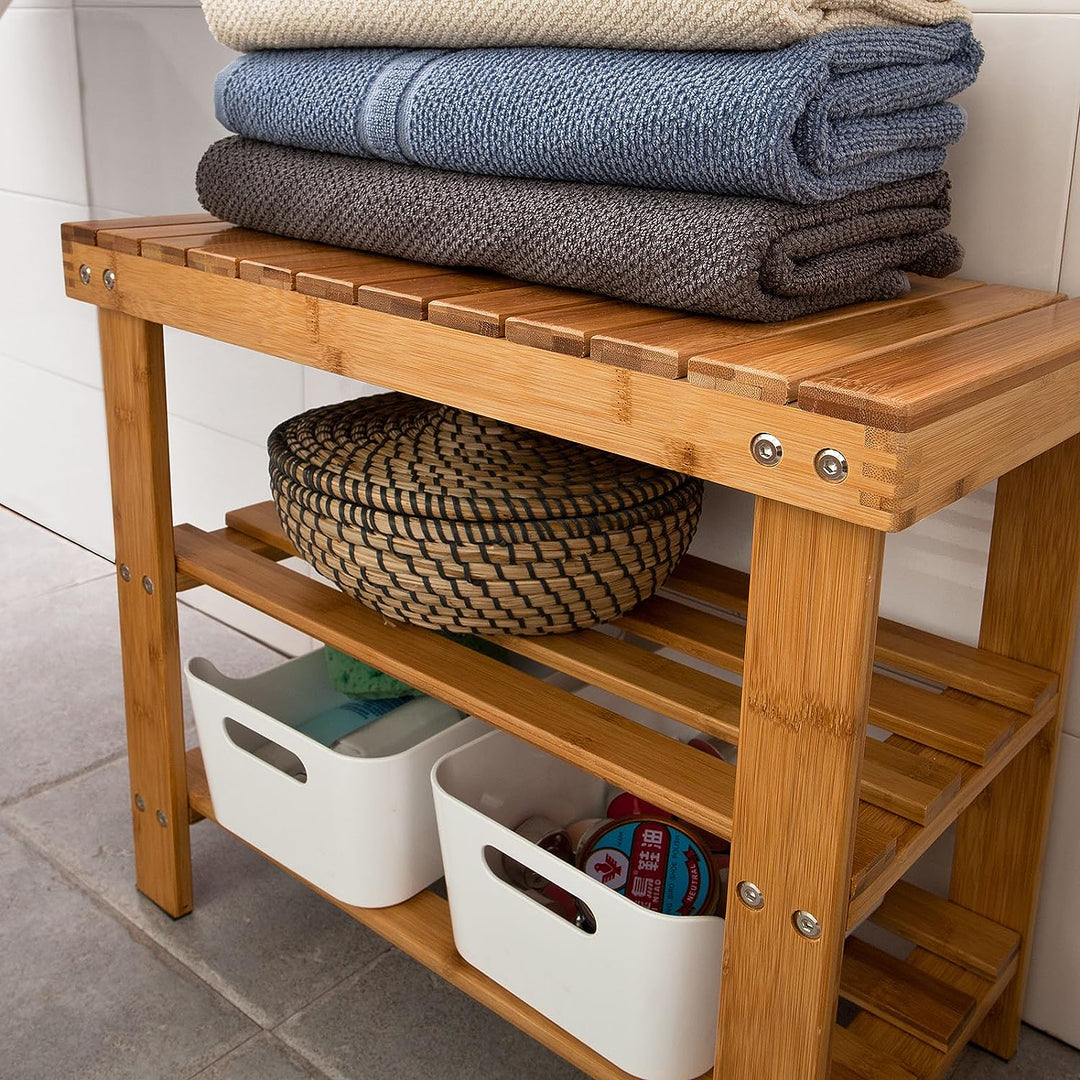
(837, 113)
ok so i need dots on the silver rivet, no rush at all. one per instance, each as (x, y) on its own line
(140, 802)
(831, 466)
(125, 571)
(162, 820)
(86, 275)
(148, 585)
(109, 277)
(750, 895)
(766, 449)
(807, 925)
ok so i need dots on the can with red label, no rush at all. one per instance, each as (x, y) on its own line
(661, 865)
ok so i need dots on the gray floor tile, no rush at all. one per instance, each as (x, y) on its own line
(1039, 1058)
(257, 935)
(398, 1021)
(61, 699)
(83, 998)
(261, 1058)
(34, 561)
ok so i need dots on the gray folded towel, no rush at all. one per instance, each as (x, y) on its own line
(744, 258)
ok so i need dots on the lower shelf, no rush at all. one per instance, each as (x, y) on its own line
(915, 1015)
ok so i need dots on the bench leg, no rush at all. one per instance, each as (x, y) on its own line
(1029, 613)
(133, 364)
(814, 586)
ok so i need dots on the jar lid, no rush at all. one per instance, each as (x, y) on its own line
(409, 456)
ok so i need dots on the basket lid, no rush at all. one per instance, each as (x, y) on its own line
(409, 456)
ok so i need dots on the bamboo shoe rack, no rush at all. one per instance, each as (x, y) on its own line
(845, 426)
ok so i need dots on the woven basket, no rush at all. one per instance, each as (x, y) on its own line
(453, 521)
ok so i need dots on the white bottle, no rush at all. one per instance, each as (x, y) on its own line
(398, 730)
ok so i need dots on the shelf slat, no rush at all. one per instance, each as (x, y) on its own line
(913, 840)
(982, 674)
(918, 1057)
(963, 937)
(906, 997)
(973, 730)
(854, 1059)
(682, 780)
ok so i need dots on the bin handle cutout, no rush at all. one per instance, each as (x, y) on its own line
(559, 901)
(266, 750)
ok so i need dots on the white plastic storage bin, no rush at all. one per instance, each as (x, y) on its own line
(643, 990)
(361, 829)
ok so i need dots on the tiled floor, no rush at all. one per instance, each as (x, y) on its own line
(264, 980)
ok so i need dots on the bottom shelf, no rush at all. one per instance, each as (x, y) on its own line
(914, 1018)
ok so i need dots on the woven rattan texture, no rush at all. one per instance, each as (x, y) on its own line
(453, 521)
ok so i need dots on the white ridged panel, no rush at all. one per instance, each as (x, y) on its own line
(54, 455)
(1012, 171)
(1054, 984)
(40, 122)
(148, 107)
(39, 325)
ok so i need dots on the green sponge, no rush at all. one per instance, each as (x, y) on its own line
(362, 681)
(366, 683)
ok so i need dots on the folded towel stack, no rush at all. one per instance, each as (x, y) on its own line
(787, 161)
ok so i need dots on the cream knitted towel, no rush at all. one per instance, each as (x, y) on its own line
(246, 25)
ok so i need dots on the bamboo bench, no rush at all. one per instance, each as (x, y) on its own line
(846, 426)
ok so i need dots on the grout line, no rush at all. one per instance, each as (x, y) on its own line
(60, 781)
(55, 591)
(291, 1054)
(130, 927)
(355, 974)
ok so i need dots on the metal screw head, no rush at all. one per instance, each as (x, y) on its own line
(831, 466)
(766, 449)
(807, 925)
(85, 274)
(162, 819)
(750, 895)
(148, 585)
(109, 277)
(140, 802)
(125, 571)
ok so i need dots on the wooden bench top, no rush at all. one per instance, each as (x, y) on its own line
(927, 396)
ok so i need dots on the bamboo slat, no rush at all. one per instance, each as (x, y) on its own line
(773, 368)
(408, 298)
(666, 351)
(983, 674)
(916, 384)
(487, 313)
(961, 936)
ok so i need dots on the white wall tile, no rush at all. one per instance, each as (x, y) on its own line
(39, 325)
(1054, 983)
(37, 4)
(1011, 173)
(234, 391)
(54, 455)
(148, 75)
(211, 474)
(41, 121)
(934, 571)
